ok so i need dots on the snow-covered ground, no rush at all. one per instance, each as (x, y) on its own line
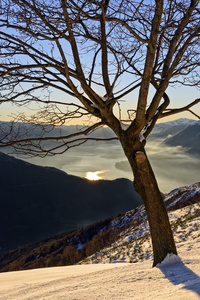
(134, 244)
(95, 278)
(174, 279)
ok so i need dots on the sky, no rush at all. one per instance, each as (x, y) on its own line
(98, 159)
(179, 96)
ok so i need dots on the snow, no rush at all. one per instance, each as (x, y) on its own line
(159, 127)
(182, 194)
(177, 277)
(104, 98)
(178, 280)
(194, 188)
(181, 121)
(141, 135)
(169, 259)
(144, 130)
(134, 244)
(94, 105)
(79, 246)
(139, 152)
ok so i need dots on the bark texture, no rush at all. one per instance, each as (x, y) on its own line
(146, 185)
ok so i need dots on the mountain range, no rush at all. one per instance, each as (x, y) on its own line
(162, 130)
(171, 128)
(188, 138)
(38, 202)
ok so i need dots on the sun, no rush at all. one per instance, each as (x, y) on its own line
(93, 175)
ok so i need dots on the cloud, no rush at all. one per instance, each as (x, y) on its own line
(172, 166)
(123, 166)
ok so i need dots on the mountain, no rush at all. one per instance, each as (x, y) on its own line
(125, 238)
(161, 130)
(134, 244)
(189, 138)
(171, 128)
(37, 202)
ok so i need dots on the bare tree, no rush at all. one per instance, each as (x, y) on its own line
(96, 53)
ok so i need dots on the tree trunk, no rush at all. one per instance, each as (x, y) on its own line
(146, 186)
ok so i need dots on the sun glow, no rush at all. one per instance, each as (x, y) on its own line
(93, 175)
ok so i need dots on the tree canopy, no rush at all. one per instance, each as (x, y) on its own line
(95, 54)
(98, 52)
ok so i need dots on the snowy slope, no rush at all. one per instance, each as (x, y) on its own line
(139, 281)
(97, 278)
(135, 245)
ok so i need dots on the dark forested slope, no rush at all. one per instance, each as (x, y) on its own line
(37, 202)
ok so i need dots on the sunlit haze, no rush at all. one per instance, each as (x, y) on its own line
(93, 175)
(179, 97)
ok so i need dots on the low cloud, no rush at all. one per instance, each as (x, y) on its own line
(173, 167)
(123, 166)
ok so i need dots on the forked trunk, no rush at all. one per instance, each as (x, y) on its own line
(146, 186)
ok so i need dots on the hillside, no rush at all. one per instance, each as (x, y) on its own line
(134, 245)
(38, 202)
(125, 238)
(189, 138)
(176, 278)
(171, 128)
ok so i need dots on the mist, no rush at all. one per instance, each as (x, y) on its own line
(173, 166)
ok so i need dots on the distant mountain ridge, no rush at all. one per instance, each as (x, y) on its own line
(189, 138)
(181, 132)
(37, 202)
(160, 130)
(171, 128)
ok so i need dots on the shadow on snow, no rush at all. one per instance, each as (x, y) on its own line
(178, 273)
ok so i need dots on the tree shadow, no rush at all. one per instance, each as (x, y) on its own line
(177, 273)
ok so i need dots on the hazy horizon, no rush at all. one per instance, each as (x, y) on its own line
(173, 167)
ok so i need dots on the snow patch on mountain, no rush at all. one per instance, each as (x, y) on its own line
(181, 121)
(134, 244)
(182, 195)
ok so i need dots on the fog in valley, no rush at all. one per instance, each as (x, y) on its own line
(173, 167)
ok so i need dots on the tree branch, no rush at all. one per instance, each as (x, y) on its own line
(148, 68)
(170, 112)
